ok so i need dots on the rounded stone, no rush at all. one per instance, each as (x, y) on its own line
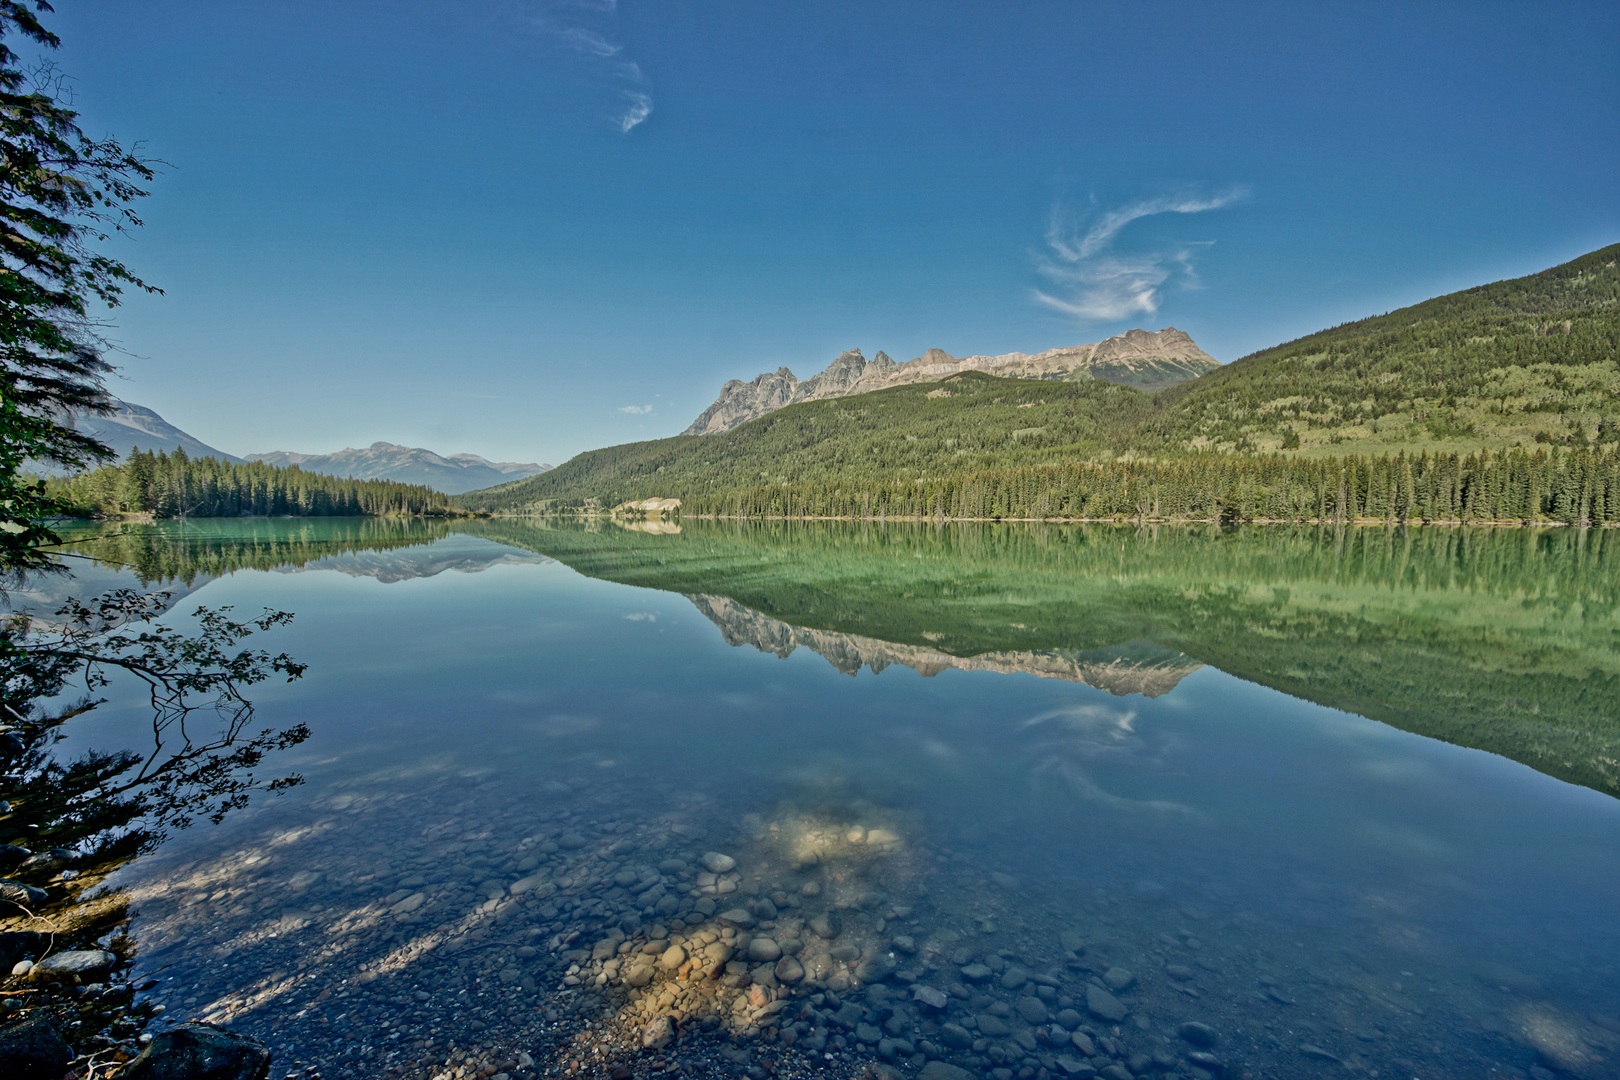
(1033, 1010)
(80, 963)
(673, 957)
(717, 863)
(789, 970)
(764, 950)
(1201, 1035)
(659, 1033)
(1105, 1006)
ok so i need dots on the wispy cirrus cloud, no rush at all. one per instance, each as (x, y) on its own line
(1095, 281)
(583, 27)
(636, 410)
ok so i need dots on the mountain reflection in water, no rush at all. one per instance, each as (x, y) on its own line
(518, 774)
(1138, 667)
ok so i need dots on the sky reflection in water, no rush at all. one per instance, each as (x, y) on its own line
(1326, 880)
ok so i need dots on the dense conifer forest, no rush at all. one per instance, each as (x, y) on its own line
(175, 485)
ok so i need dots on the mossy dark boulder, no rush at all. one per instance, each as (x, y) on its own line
(201, 1052)
(31, 1049)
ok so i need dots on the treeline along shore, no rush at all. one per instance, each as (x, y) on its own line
(1570, 486)
(177, 485)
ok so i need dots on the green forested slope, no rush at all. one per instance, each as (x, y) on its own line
(969, 421)
(1452, 391)
(1512, 363)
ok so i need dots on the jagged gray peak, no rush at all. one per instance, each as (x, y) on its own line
(1137, 667)
(1148, 360)
(839, 378)
(739, 402)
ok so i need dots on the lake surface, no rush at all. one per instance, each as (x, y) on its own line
(1012, 798)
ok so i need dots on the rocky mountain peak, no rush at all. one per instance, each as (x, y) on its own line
(741, 401)
(1148, 360)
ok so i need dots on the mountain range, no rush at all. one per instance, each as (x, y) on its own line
(1507, 368)
(452, 474)
(1147, 360)
(135, 427)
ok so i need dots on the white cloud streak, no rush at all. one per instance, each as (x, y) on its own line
(636, 410)
(638, 107)
(564, 21)
(1096, 282)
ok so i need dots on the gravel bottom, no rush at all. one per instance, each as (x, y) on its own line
(617, 926)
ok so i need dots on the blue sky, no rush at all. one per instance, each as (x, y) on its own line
(498, 225)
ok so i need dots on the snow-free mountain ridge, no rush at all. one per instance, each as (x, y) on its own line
(135, 427)
(1147, 360)
(451, 474)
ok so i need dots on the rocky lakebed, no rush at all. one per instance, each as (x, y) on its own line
(453, 932)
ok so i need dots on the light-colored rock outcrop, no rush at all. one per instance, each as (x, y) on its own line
(739, 402)
(1147, 360)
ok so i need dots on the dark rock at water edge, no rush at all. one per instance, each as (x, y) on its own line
(201, 1052)
(20, 895)
(19, 945)
(32, 1050)
(80, 963)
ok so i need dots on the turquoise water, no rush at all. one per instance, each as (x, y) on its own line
(519, 761)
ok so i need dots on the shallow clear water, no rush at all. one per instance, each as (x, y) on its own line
(1051, 774)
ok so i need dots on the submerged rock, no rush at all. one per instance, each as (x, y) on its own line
(1105, 1006)
(659, 1033)
(1201, 1035)
(1118, 978)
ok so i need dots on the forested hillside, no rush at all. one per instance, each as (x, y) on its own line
(969, 421)
(1532, 360)
(176, 485)
(1496, 403)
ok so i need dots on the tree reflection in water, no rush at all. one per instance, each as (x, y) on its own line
(68, 822)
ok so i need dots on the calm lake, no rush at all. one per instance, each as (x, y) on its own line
(1023, 800)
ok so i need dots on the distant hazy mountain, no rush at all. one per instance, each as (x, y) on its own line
(139, 428)
(1144, 359)
(408, 465)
